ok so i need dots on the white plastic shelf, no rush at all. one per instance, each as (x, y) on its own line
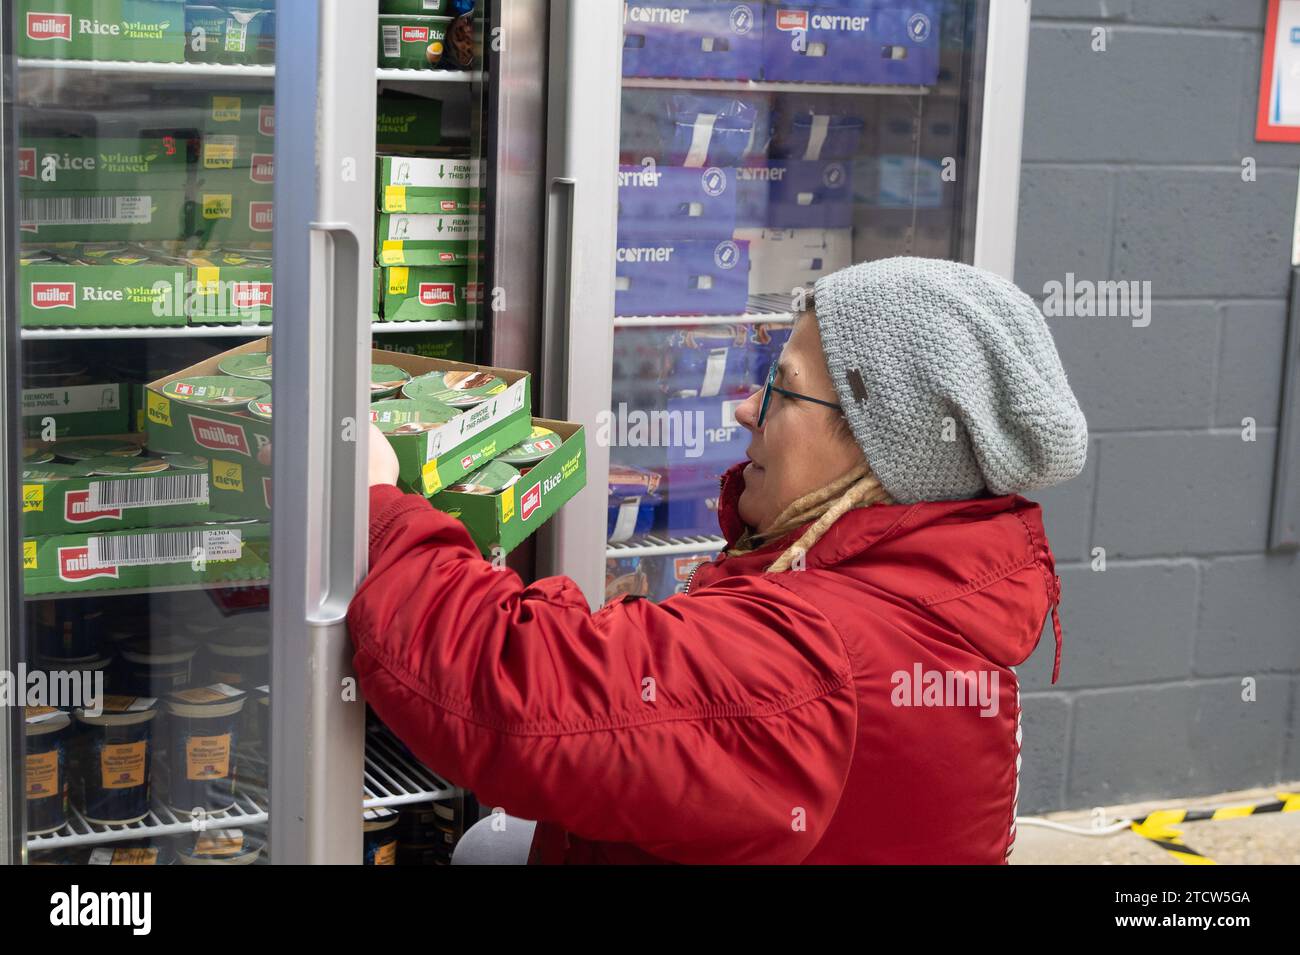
(765, 308)
(203, 71)
(764, 86)
(392, 778)
(654, 545)
(225, 331)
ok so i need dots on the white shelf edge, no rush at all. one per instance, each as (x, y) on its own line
(748, 318)
(230, 70)
(666, 547)
(764, 86)
(223, 331)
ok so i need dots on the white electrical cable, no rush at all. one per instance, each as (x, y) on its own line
(1110, 830)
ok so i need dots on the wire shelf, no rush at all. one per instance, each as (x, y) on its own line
(654, 545)
(768, 308)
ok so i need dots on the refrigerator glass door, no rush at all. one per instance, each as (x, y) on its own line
(762, 147)
(140, 176)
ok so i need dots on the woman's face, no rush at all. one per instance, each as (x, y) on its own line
(800, 447)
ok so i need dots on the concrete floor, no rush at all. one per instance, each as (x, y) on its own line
(1268, 839)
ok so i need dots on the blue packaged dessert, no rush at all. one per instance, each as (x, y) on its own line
(697, 39)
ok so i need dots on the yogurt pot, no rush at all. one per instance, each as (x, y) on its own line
(221, 392)
(237, 664)
(37, 457)
(493, 478)
(130, 853)
(396, 416)
(54, 471)
(88, 666)
(255, 366)
(155, 672)
(628, 481)
(45, 771)
(220, 847)
(428, 823)
(83, 449)
(260, 408)
(109, 466)
(202, 742)
(533, 449)
(66, 629)
(461, 389)
(379, 834)
(114, 753)
(186, 462)
(386, 381)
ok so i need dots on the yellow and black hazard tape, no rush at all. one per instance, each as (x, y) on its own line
(1158, 827)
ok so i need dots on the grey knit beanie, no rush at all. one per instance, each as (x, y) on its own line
(950, 380)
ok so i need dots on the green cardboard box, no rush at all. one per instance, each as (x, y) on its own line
(404, 41)
(223, 217)
(426, 8)
(230, 289)
(54, 294)
(500, 522)
(242, 162)
(404, 120)
(414, 239)
(146, 214)
(425, 185)
(227, 34)
(427, 294)
(147, 557)
(78, 410)
(49, 166)
(233, 112)
(431, 460)
(77, 505)
(148, 31)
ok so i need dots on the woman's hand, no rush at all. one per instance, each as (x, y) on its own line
(383, 462)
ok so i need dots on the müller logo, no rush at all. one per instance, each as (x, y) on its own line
(76, 509)
(252, 295)
(531, 501)
(74, 565)
(261, 216)
(437, 293)
(415, 34)
(27, 163)
(54, 295)
(261, 168)
(49, 26)
(218, 436)
(266, 120)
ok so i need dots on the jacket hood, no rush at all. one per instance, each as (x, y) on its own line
(983, 565)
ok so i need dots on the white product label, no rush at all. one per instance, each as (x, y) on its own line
(416, 171)
(729, 412)
(72, 400)
(700, 136)
(392, 39)
(821, 123)
(166, 490)
(713, 373)
(625, 523)
(168, 547)
(86, 210)
(477, 419)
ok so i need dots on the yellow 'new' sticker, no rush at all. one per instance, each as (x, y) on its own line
(159, 408)
(507, 504)
(33, 497)
(29, 555)
(228, 476)
(391, 253)
(432, 480)
(394, 198)
(398, 280)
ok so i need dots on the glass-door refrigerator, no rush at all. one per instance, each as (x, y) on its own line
(192, 289)
(759, 146)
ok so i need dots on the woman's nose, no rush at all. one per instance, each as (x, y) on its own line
(747, 411)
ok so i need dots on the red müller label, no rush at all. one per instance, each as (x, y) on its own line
(54, 295)
(49, 26)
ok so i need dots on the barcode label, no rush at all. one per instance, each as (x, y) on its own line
(86, 210)
(170, 547)
(166, 490)
(392, 40)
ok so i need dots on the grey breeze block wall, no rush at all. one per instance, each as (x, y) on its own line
(1132, 170)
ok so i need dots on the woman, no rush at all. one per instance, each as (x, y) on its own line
(836, 686)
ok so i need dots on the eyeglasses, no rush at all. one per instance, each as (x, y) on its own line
(770, 387)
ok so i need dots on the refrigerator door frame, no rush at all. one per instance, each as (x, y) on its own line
(324, 233)
(586, 52)
(1001, 123)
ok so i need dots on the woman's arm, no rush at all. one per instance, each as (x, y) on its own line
(703, 729)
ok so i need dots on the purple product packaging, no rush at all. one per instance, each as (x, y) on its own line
(808, 135)
(696, 39)
(707, 361)
(687, 277)
(692, 498)
(883, 42)
(812, 194)
(631, 516)
(765, 347)
(719, 439)
(701, 131)
(674, 202)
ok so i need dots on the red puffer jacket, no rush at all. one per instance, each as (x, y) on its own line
(826, 715)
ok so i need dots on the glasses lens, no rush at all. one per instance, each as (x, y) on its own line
(767, 394)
